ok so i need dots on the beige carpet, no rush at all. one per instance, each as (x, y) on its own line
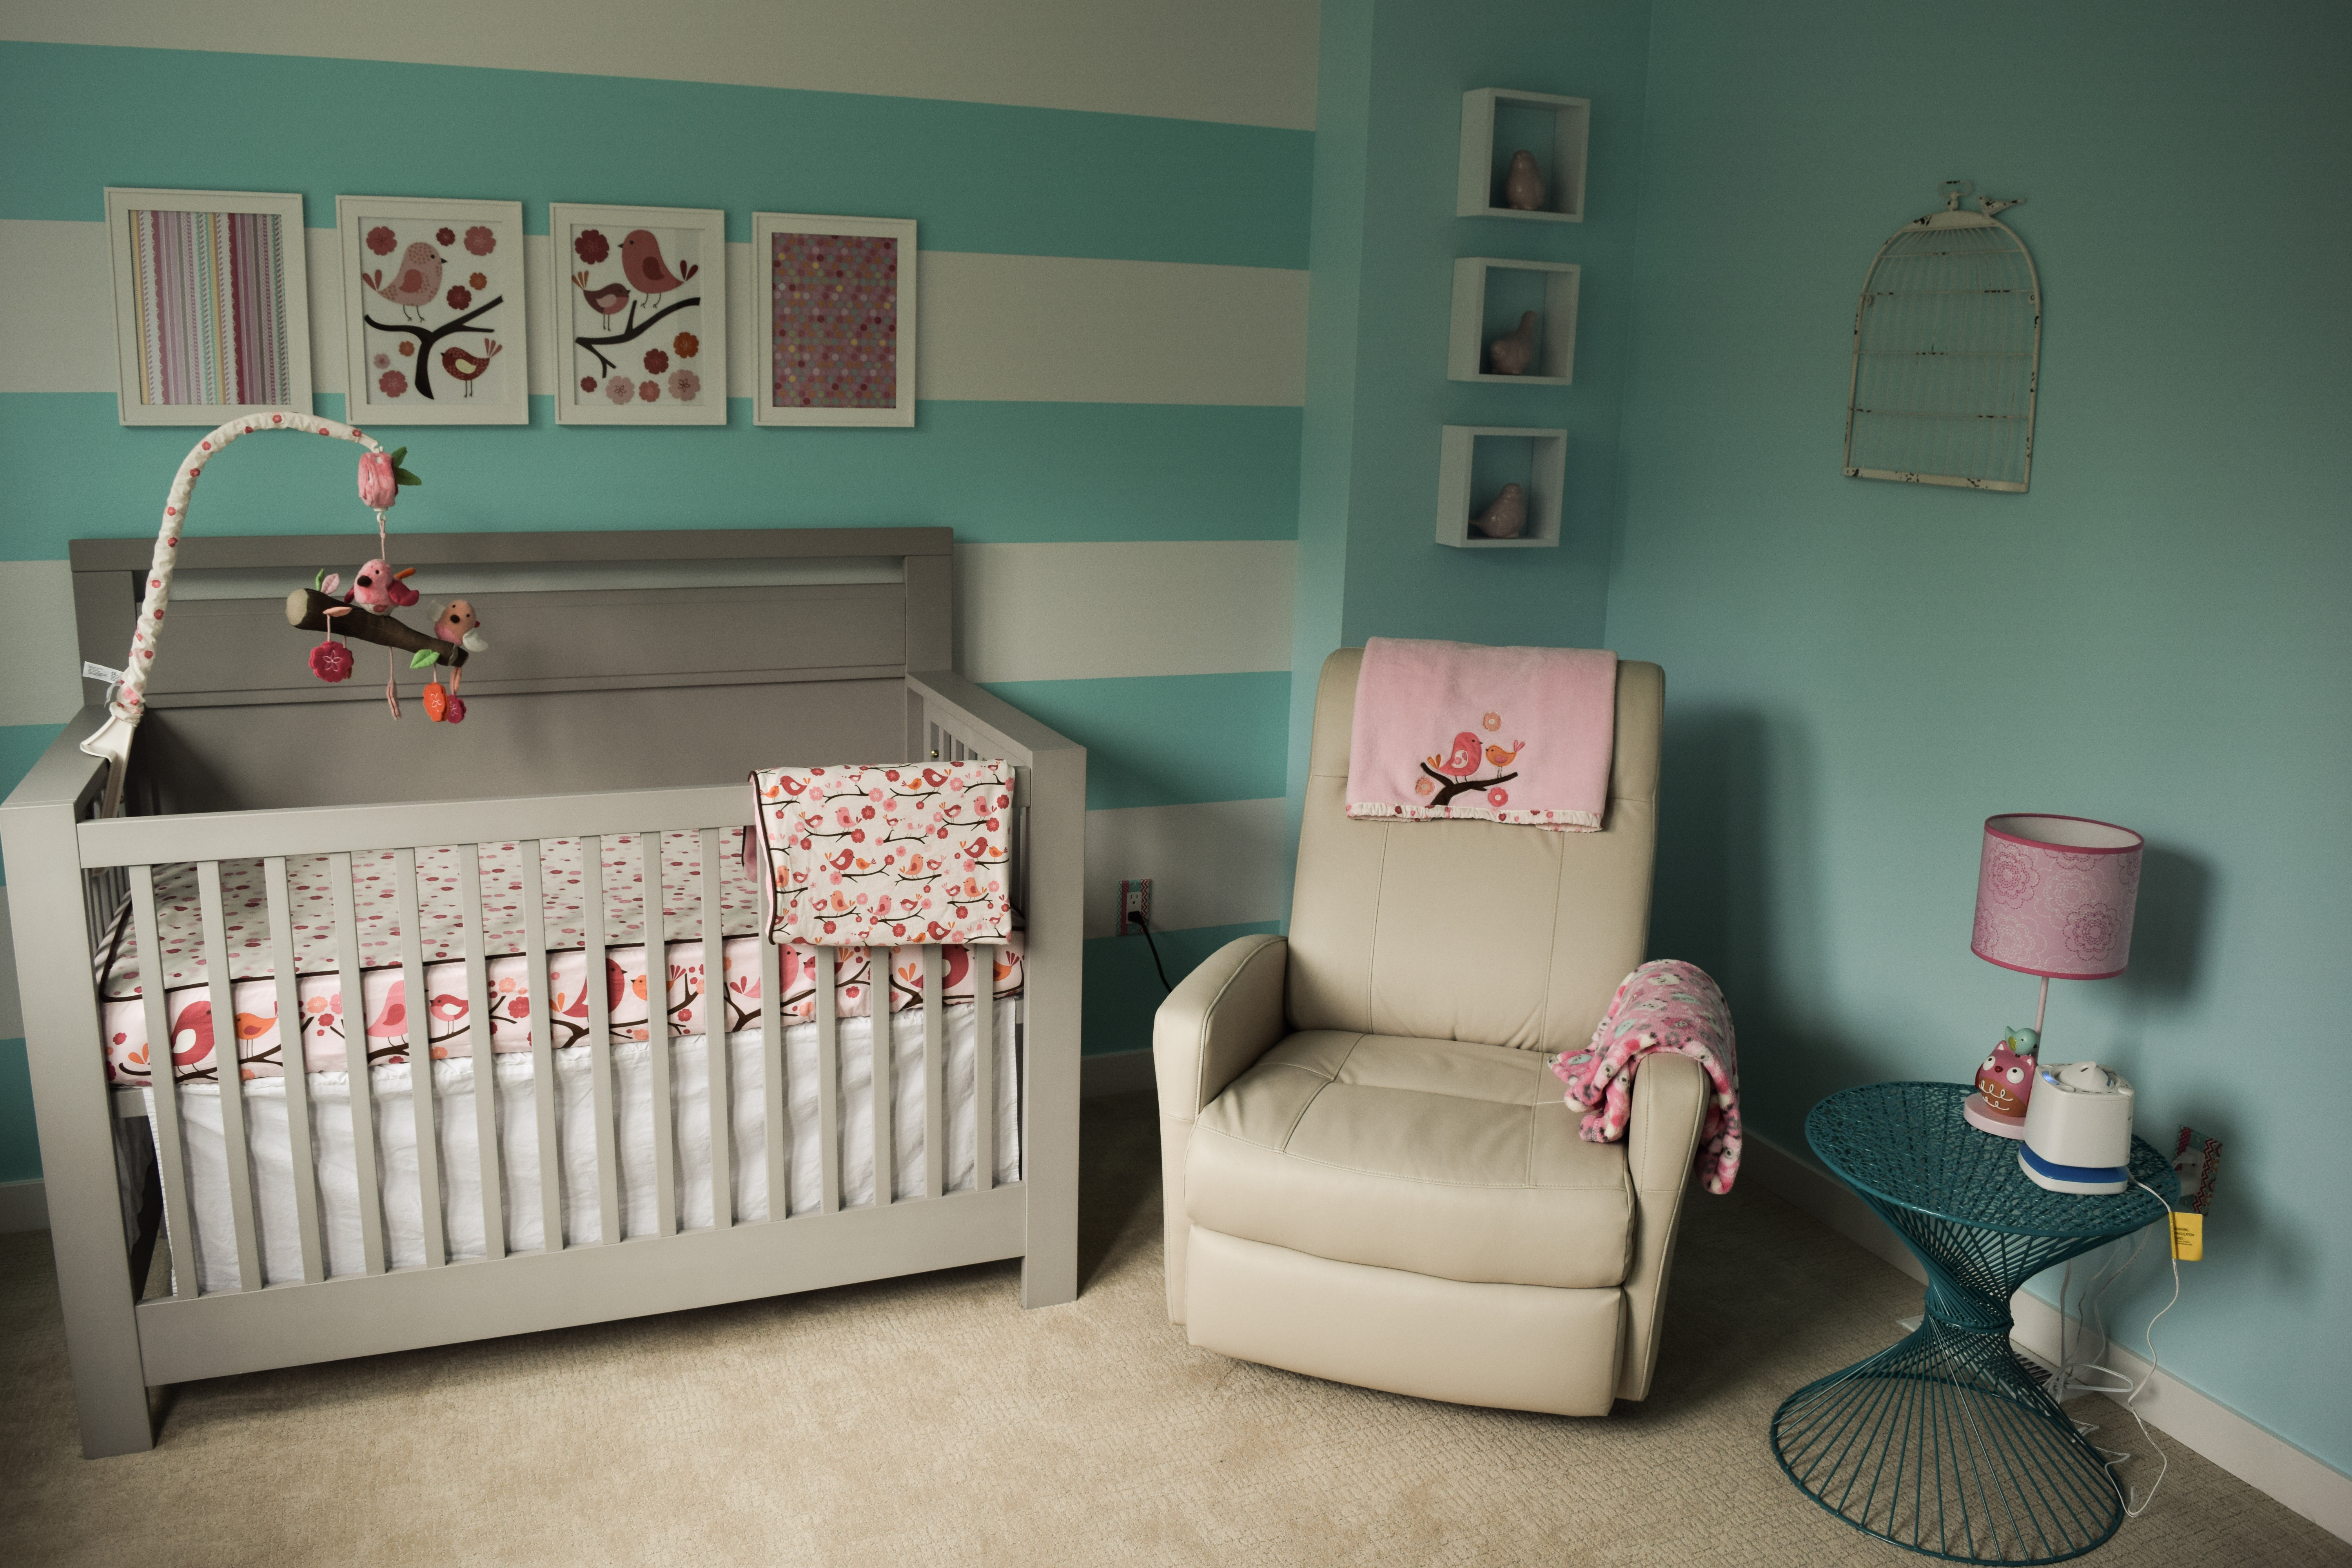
(932, 1420)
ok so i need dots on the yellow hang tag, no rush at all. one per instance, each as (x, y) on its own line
(2188, 1236)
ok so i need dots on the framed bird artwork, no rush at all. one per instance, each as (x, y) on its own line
(433, 311)
(212, 304)
(640, 314)
(839, 338)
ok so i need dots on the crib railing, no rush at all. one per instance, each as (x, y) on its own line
(684, 815)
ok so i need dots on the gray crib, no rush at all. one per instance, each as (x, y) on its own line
(657, 667)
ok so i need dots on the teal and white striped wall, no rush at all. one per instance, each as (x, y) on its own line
(1114, 203)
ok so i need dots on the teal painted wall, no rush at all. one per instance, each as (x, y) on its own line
(1020, 181)
(1381, 262)
(2158, 634)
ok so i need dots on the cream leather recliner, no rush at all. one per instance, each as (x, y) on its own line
(1370, 1173)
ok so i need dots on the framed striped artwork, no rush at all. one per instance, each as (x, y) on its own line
(211, 313)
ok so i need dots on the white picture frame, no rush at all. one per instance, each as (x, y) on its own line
(405, 289)
(676, 346)
(789, 345)
(194, 314)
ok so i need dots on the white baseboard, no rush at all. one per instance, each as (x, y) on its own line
(24, 1205)
(2256, 1456)
(1115, 1072)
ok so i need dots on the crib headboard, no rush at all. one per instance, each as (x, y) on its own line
(616, 661)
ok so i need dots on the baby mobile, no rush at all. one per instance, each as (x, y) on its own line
(363, 613)
(376, 590)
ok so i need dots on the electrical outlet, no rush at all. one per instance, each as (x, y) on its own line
(1134, 905)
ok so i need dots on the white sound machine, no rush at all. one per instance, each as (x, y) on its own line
(2078, 1128)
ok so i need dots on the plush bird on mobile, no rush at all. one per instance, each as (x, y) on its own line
(364, 611)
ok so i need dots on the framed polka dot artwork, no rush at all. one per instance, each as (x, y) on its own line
(640, 314)
(839, 343)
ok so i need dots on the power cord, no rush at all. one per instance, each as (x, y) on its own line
(2130, 1391)
(1145, 927)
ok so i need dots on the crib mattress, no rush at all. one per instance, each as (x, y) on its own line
(453, 1087)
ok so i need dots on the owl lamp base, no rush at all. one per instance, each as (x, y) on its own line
(1985, 1118)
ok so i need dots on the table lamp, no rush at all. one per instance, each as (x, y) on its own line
(2055, 897)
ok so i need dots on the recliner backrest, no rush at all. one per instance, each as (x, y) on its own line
(1470, 930)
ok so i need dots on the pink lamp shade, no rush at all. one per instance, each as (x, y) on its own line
(2055, 896)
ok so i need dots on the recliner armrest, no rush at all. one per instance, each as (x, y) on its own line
(1225, 1015)
(1670, 1096)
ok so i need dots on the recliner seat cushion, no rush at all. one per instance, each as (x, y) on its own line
(1437, 1156)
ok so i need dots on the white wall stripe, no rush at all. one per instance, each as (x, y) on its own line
(1047, 329)
(1024, 612)
(1076, 612)
(1248, 62)
(1219, 863)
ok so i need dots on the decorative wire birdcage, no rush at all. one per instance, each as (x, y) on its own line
(1946, 353)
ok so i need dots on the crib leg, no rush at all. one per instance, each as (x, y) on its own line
(72, 1108)
(1049, 1123)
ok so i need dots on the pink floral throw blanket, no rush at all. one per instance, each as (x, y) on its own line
(886, 855)
(1665, 1005)
(1519, 735)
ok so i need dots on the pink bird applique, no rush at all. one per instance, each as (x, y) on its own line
(467, 367)
(1463, 761)
(641, 264)
(608, 302)
(414, 283)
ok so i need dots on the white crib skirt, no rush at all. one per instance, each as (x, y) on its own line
(267, 1144)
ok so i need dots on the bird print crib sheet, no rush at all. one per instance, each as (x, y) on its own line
(381, 950)
(390, 1024)
(904, 852)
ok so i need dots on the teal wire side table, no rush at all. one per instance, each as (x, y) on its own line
(1946, 1443)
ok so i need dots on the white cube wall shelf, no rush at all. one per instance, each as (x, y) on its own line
(1477, 460)
(1485, 156)
(1483, 311)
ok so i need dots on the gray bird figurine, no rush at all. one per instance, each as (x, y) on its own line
(1513, 354)
(1506, 517)
(1523, 187)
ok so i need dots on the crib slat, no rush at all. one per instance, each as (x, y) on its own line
(542, 1047)
(935, 1051)
(600, 1038)
(369, 1168)
(772, 1080)
(658, 1061)
(479, 1030)
(884, 963)
(983, 1067)
(714, 1039)
(300, 1142)
(171, 1151)
(828, 1079)
(229, 1070)
(423, 1103)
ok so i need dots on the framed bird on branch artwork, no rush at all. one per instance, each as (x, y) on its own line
(433, 311)
(640, 314)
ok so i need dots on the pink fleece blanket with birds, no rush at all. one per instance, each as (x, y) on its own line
(1519, 735)
(1665, 1005)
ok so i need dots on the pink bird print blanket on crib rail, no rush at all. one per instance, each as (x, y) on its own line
(1665, 1005)
(1519, 735)
(889, 855)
